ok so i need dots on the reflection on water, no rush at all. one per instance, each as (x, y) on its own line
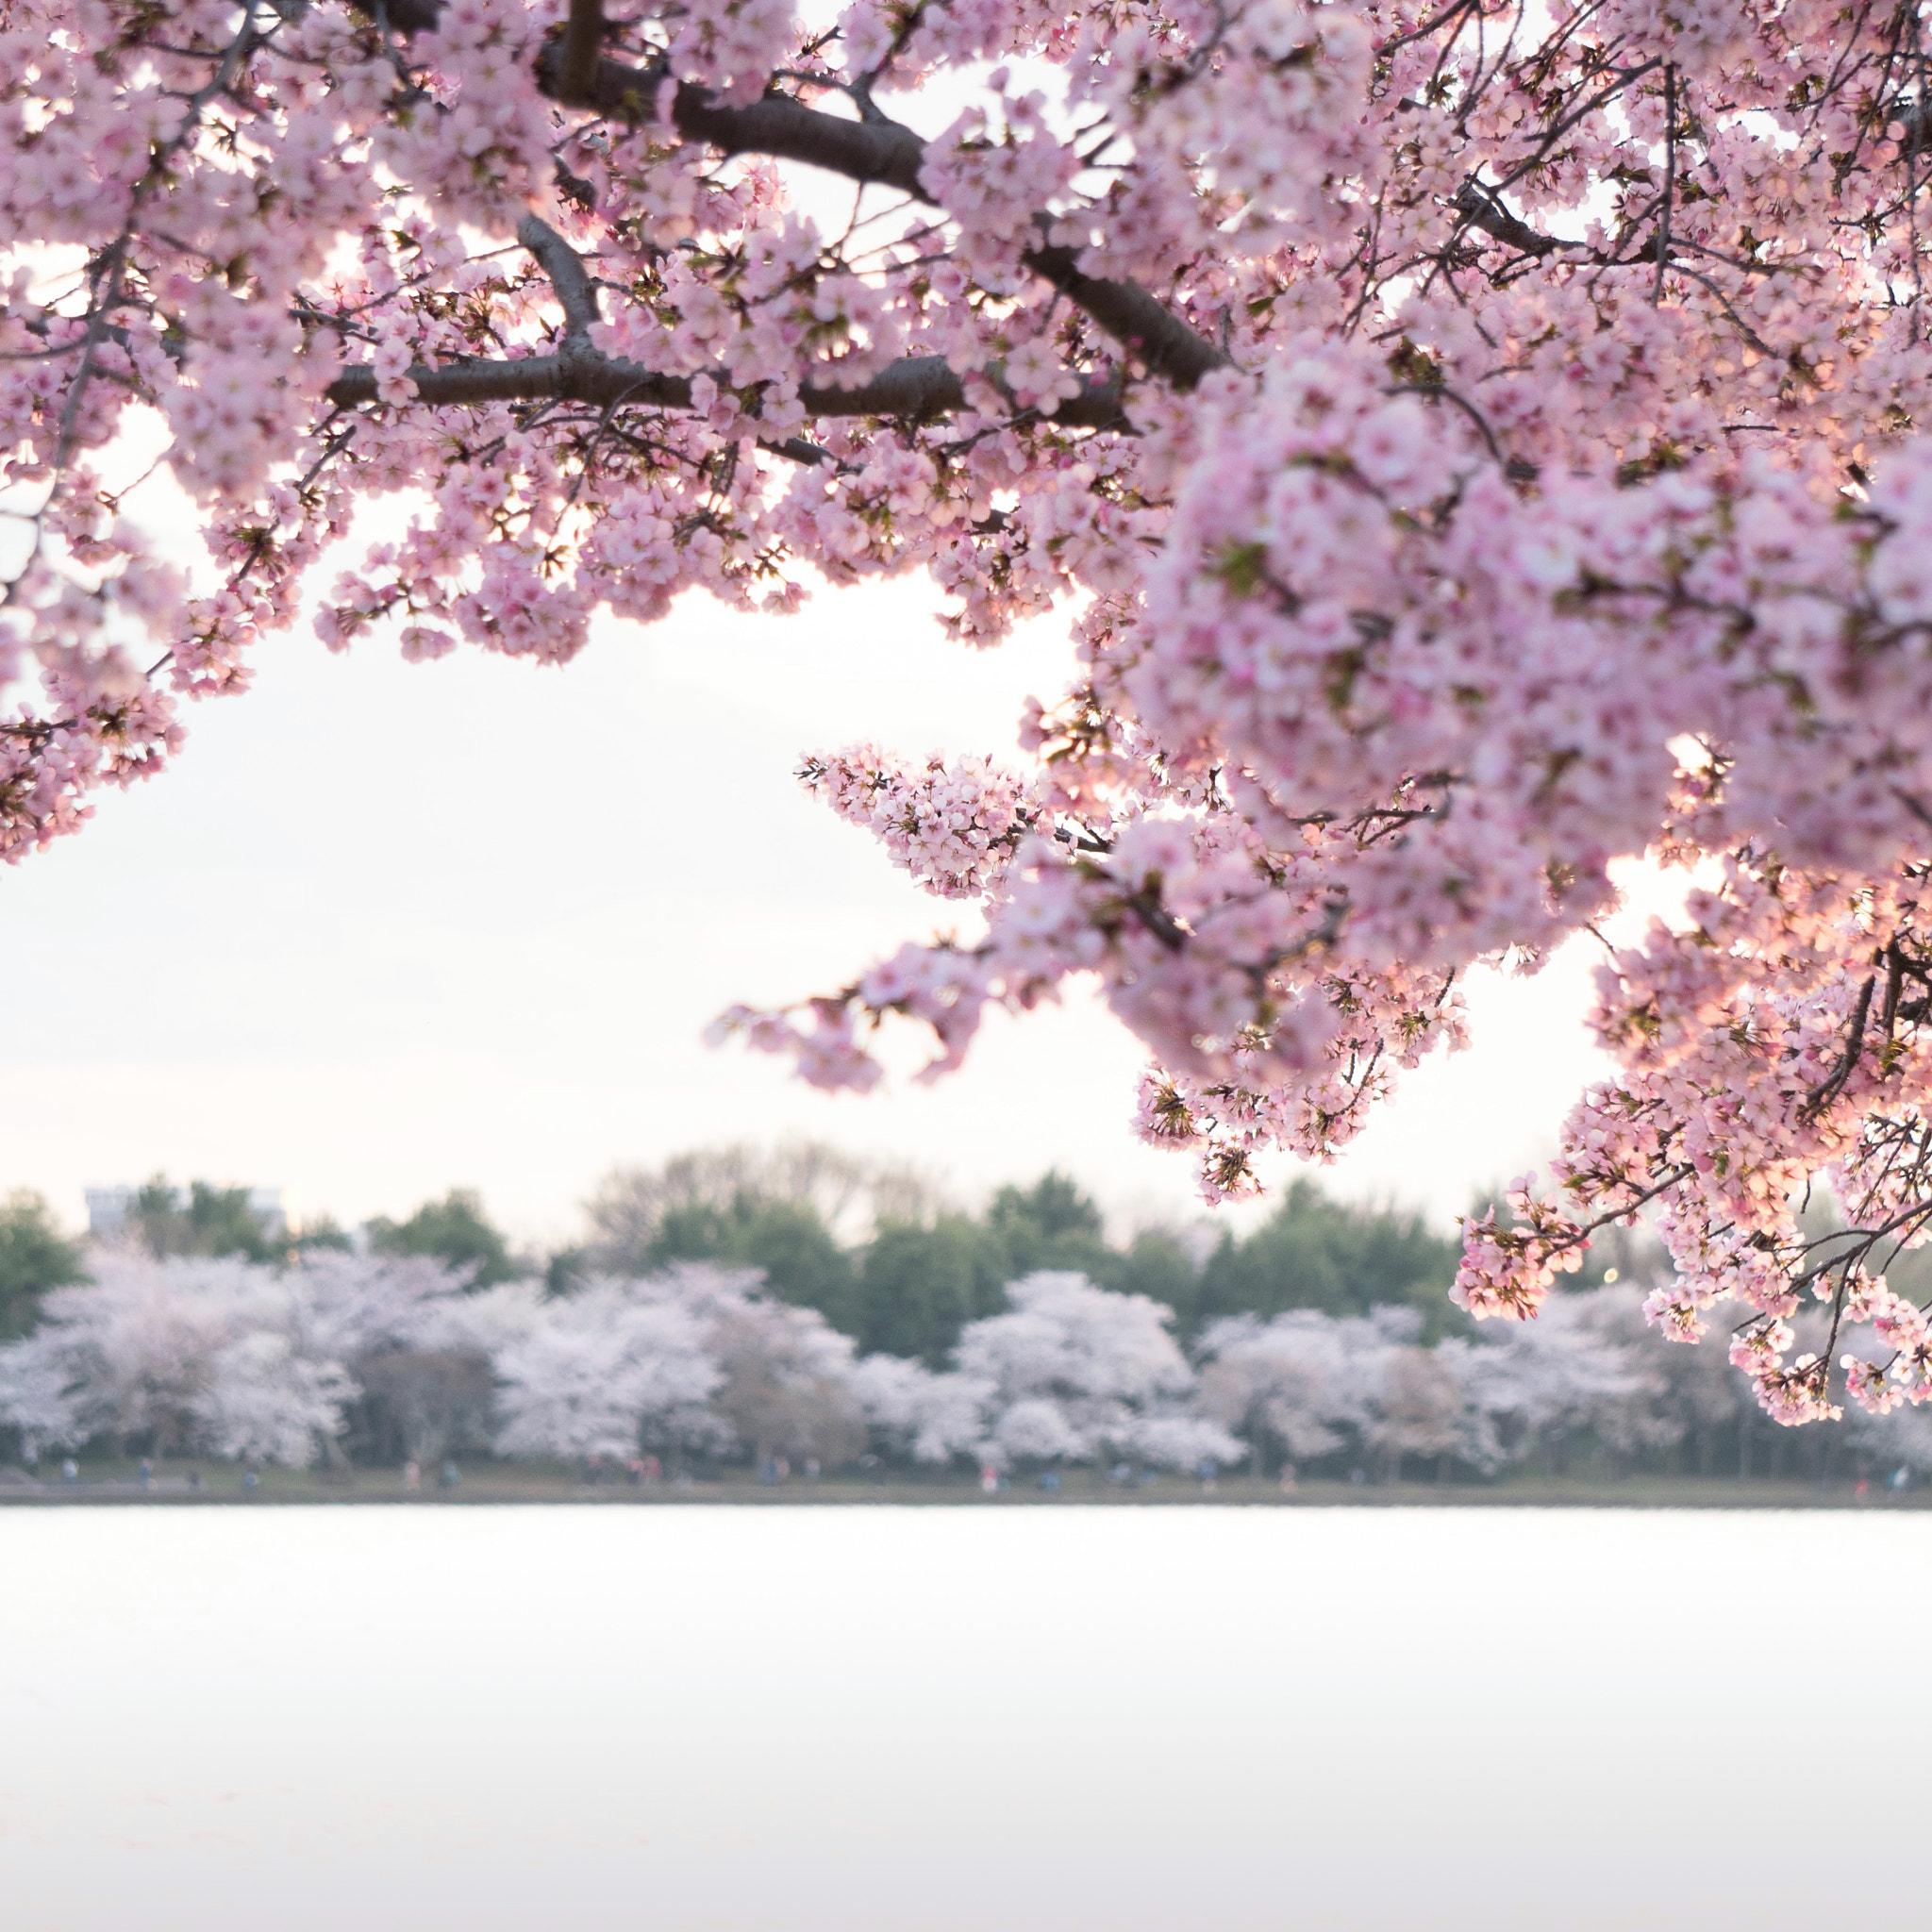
(881, 1719)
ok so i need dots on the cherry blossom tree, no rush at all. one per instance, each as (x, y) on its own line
(140, 1349)
(601, 1371)
(930, 1415)
(37, 1396)
(222, 1356)
(262, 1400)
(1900, 1438)
(381, 1358)
(1288, 1382)
(1317, 1385)
(1424, 1408)
(1474, 444)
(785, 1383)
(1073, 1373)
(1563, 1377)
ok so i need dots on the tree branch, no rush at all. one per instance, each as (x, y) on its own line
(862, 151)
(583, 41)
(870, 150)
(917, 388)
(1167, 347)
(568, 276)
(1479, 209)
(892, 155)
(404, 16)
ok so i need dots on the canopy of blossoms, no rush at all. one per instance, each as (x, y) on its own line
(1474, 444)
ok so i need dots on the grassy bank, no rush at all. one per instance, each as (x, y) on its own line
(111, 1484)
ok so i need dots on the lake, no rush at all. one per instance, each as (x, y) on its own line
(957, 1719)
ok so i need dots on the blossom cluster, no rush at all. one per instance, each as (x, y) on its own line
(953, 827)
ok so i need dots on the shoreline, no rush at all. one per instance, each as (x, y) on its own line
(382, 1489)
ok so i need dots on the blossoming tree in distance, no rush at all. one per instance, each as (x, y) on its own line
(1476, 443)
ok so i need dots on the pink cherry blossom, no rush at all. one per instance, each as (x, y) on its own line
(1472, 448)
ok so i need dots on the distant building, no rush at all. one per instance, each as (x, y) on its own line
(108, 1210)
(267, 1205)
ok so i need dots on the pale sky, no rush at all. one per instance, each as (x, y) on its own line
(387, 929)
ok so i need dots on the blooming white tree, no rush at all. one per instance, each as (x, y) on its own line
(1077, 1371)
(695, 1357)
(1318, 1385)
(785, 1386)
(1290, 1380)
(913, 1411)
(223, 1356)
(598, 1372)
(344, 1354)
(37, 1393)
(1570, 1374)
(345, 1305)
(1900, 1438)
(136, 1348)
(264, 1402)
(1422, 1406)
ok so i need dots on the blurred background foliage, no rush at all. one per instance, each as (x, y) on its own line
(880, 1252)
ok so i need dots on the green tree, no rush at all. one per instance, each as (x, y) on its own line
(214, 1221)
(1052, 1225)
(921, 1283)
(1159, 1266)
(567, 1268)
(456, 1230)
(323, 1233)
(1315, 1252)
(34, 1257)
(803, 1265)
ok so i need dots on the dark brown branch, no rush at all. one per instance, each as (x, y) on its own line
(1832, 1085)
(404, 16)
(1164, 345)
(1479, 209)
(1662, 239)
(568, 276)
(870, 150)
(583, 41)
(916, 388)
(882, 151)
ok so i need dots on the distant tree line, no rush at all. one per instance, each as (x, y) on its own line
(1320, 1337)
(378, 1359)
(902, 1274)
(878, 1252)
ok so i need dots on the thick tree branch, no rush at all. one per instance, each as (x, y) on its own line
(1481, 209)
(917, 388)
(865, 151)
(583, 41)
(568, 276)
(882, 151)
(405, 16)
(1166, 347)
(872, 150)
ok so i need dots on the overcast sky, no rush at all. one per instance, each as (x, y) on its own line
(386, 928)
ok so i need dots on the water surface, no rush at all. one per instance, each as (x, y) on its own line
(940, 1720)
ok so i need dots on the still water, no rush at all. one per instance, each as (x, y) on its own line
(874, 1720)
